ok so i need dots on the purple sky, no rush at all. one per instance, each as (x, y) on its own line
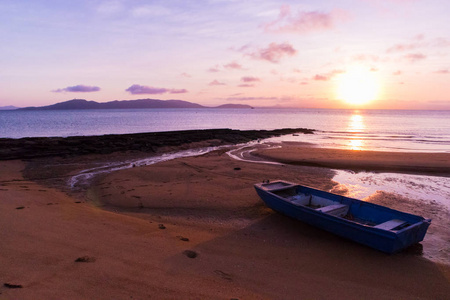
(325, 54)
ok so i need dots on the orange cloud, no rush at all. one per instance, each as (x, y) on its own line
(321, 77)
(216, 82)
(249, 79)
(233, 65)
(413, 57)
(327, 76)
(274, 52)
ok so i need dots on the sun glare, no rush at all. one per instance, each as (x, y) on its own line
(357, 87)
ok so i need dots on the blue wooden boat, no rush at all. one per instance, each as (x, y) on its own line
(376, 226)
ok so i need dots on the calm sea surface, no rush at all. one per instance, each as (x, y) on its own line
(388, 130)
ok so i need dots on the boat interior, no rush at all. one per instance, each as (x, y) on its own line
(339, 206)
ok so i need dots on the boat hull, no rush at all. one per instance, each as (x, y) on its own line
(389, 241)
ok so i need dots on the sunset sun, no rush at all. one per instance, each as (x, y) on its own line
(357, 87)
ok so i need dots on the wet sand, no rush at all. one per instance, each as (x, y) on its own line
(183, 229)
(374, 161)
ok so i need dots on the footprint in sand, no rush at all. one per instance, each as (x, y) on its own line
(224, 275)
(182, 238)
(85, 259)
(190, 253)
(12, 286)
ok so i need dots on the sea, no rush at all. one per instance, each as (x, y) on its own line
(379, 130)
(383, 130)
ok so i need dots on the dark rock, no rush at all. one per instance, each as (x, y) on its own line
(144, 142)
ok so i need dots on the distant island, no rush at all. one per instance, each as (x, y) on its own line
(128, 104)
(9, 107)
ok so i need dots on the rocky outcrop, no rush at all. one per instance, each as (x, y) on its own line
(26, 148)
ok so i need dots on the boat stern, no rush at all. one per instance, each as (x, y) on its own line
(274, 185)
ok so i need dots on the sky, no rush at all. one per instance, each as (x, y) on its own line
(391, 54)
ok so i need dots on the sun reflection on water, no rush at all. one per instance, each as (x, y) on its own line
(356, 144)
(356, 123)
(355, 127)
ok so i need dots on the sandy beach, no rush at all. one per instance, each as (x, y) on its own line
(193, 228)
(374, 161)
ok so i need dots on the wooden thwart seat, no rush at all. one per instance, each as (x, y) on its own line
(335, 209)
(391, 224)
